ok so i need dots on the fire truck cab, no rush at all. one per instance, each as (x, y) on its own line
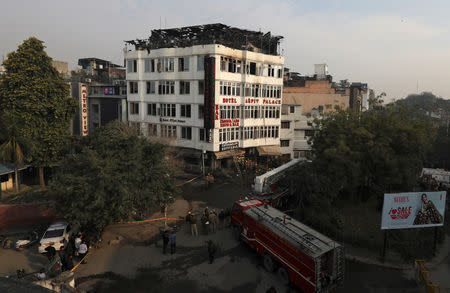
(300, 255)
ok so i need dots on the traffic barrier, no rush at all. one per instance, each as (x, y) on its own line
(422, 275)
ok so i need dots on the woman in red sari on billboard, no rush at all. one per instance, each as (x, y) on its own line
(428, 214)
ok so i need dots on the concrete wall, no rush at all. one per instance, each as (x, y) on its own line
(26, 214)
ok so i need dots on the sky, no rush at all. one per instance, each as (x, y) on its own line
(396, 46)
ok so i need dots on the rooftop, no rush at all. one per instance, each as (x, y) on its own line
(207, 34)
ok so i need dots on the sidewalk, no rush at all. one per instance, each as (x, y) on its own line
(393, 261)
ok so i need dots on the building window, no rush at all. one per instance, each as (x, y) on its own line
(133, 86)
(284, 143)
(185, 87)
(186, 132)
(165, 65)
(296, 154)
(132, 66)
(151, 109)
(200, 63)
(166, 87)
(168, 110)
(147, 66)
(309, 132)
(151, 87)
(201, 111)
(291, 109)
(183, 64)
(185, 111)
(95, 108)
(201, 87)
(168, 131)
(152, 129)
(134, 108)
(201, 134)
(285, 125)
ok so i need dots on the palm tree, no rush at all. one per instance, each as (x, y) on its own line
(11, 151)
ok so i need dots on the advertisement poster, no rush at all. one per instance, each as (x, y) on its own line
(413, 210)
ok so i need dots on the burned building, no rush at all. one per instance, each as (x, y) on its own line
(210, 89)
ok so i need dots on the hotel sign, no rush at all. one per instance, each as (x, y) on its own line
(229, 146)
(84, 109)
(229, 122)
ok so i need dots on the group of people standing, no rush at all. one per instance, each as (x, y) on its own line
(63, 259)
(209, 220)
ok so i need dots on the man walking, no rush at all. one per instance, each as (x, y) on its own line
(213, 220)
(221, 219)
(193, 221)
(66, 261)
(212, 249)
(165, 241)
(188, 221)
(173, 241)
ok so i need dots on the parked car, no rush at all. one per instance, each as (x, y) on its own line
(57, 235)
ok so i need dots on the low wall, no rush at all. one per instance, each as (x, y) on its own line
(26, 214)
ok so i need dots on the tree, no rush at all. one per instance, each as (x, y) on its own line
(378, 151)
(116, 176)
(35, 98)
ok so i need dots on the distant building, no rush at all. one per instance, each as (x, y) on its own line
(305, 98)
(210, 88)
(101, 92)
(358, 97)
(61, 66)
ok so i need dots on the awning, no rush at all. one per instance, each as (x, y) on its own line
(228, 153)
(7, 168)
(188, 153)
(269, 150)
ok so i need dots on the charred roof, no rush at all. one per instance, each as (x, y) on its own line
(210, 34)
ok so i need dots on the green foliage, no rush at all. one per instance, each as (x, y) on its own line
(34, 99)
(116, 176)
(379, 151)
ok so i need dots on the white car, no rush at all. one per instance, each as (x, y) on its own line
(57, 235)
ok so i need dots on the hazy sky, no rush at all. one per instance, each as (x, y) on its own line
(390, 44)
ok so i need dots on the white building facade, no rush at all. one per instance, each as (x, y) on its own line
(295, 130)
(210, 97)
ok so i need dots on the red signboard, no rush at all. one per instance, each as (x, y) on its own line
(84, 110)
(229, 122)
(229, 100)
(251, 101)
(271, 102)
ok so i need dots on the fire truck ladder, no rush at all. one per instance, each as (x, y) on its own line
(303, 242)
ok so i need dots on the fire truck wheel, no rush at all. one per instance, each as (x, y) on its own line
(269, 264)
(283, 274)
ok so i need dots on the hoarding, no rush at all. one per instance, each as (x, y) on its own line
(413, 210)
(84, 109)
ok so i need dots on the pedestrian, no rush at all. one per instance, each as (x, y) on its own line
(82, 251)
(71, 246)
(213, 221)
(212, 249)
(206, 212)
(188, 221)
(193, 221)
(51, 252)
(165, 241)
(173, 241)
(205, 223)
(221, 219)
(78, 241)
(66, 261)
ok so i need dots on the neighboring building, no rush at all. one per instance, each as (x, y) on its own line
(305, 98)
(209, 88)
(101, 91)
(61, 66)
(358, 97)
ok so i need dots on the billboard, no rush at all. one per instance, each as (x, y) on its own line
(84, 109)
(413, 210)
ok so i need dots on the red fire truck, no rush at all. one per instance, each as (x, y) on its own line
(300, 255)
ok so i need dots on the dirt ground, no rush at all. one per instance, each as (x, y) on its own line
(130, 257)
